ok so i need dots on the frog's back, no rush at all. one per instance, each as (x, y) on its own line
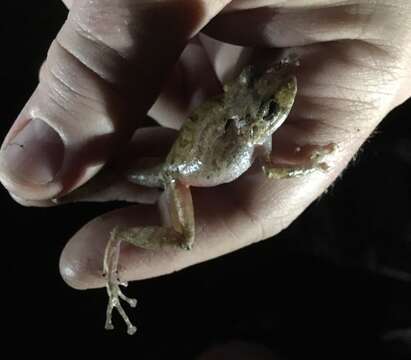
(216, 143)
(203, 124)
(203, 154)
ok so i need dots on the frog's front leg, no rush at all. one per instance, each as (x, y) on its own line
(310, 159)
(177, 211)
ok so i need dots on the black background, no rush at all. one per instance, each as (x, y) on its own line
(333, 285)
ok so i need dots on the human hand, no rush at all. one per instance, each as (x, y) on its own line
(103, 75)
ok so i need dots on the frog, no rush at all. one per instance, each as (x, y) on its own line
(218, 142)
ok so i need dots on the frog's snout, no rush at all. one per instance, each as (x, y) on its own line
(287, 92)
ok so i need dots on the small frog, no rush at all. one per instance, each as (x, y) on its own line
(217, 143)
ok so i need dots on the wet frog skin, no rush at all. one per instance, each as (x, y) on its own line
(217, 143)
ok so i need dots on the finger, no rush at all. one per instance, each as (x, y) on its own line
(111, 184)
(193, 80)
(301, 23)
(203, 66)
(84, 271)
(226, 59)
(103, 72)
(295, 4)
(68, 3)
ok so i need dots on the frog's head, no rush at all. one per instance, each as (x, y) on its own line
(273, 110)
(269, 98)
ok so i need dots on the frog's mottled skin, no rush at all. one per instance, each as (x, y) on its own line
(217, 143)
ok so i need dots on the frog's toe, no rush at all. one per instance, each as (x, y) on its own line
(131, 301)
(109, 326)
(115, 294)
(131, 330)
(187, 247)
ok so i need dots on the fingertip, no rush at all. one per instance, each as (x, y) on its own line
(80, 263)
(30, 158)
(31, 203)
(25, 190)
(70, 275)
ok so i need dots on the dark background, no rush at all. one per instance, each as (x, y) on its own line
(335, 284)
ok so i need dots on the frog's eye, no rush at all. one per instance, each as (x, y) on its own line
(270, 108)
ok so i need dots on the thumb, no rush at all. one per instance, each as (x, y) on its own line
(103, 72)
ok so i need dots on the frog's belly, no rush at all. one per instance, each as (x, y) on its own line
(212, 172)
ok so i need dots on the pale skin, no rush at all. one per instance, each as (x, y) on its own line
(355, 68)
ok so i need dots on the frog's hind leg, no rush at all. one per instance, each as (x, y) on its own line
(176, 206)
(178, 231)
(149, 237)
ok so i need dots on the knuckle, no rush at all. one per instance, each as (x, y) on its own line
(75, 89)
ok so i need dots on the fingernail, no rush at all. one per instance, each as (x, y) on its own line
(35, 154)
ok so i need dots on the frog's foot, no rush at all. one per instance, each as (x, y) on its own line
(309, 158)
(147, 237)
(114, 296)
(113, 284)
